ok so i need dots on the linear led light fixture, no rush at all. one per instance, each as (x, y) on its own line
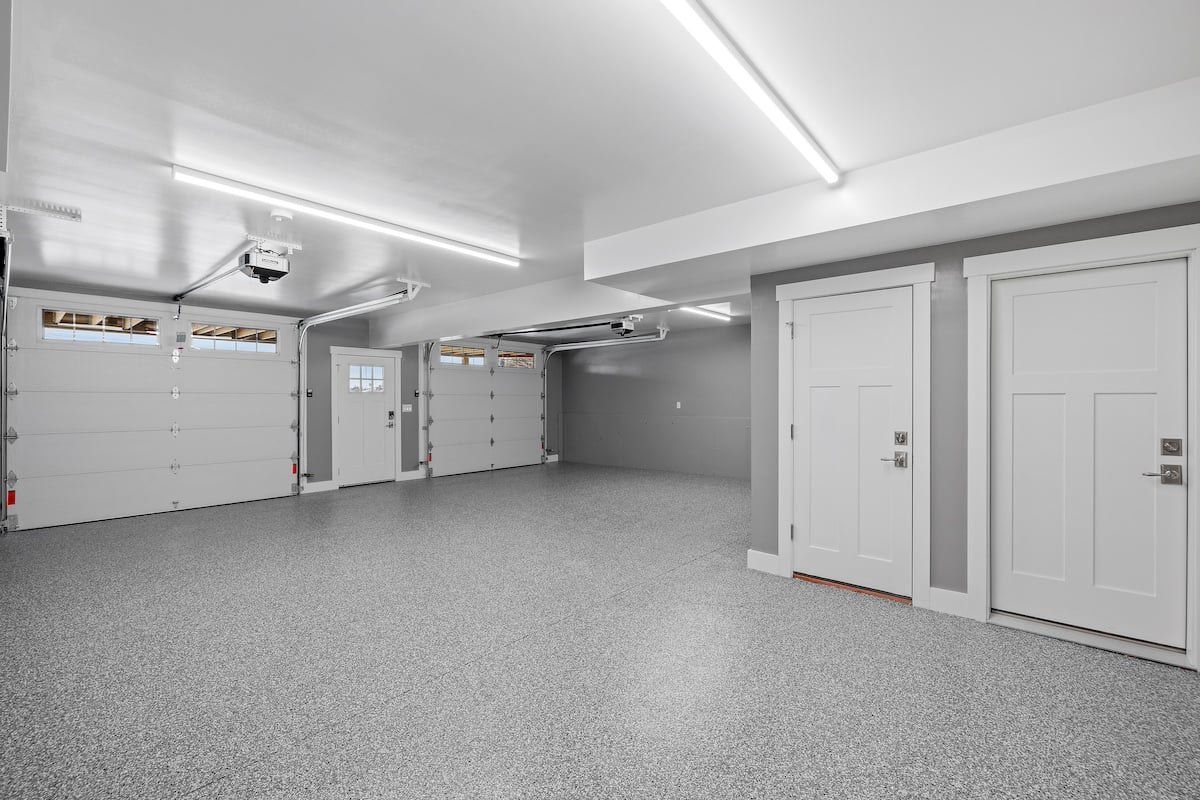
(277, 200)
(706, 313)
(700, 24)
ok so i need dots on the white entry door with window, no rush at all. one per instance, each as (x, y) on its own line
(365, 423)
(1089, 407)
(853, 412)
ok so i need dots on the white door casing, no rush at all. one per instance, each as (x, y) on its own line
(1089, 371)
(852, 395)
(983, 274)
(915, 280)
(366, 422)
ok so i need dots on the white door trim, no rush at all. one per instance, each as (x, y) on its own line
(335, 394)
(981, 271)
(919, 277)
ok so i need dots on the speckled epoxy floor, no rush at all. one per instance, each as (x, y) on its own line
(564, 631)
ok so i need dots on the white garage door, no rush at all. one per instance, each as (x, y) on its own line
(485, 408)
(119, 409)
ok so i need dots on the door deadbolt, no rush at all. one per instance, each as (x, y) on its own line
(1170, 474)
(1171, 447)
(901, 438)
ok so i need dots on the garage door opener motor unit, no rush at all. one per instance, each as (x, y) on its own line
(264, 265)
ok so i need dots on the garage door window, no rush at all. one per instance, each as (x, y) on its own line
(232, 338)
(463, 355)
(365, 379)
(514, 359)
(76, 326)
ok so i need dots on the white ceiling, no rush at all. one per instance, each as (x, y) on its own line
(529, 126)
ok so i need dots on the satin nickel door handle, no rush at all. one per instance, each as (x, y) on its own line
(899, 460)
(1171, 474)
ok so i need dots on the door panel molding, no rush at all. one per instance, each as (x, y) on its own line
(919, 277)
(981, 272)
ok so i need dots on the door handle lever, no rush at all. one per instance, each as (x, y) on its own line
(1171, 474)
(899, 460)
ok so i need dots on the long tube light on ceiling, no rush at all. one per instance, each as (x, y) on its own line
(278, 200)
(697, 21)
(706, 313)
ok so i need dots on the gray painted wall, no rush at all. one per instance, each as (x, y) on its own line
(948, 568)
(618, 403)
(343, 333)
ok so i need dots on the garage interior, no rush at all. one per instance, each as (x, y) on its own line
(666, 399)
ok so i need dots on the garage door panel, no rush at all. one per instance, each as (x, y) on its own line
(516, 454)
(456, 459)
(234, 445)
(460, 432)
(510, 406)
(454, 407)
(67, 499)
(42, 455)
(202, 485)
(63, 412)
(222, 410)
(514, 429)
(52, 369)
(525, 383)
(447, 380)
(237, 376)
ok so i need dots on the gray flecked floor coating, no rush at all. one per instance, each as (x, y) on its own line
(564, 631)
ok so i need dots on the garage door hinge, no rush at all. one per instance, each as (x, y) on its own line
(793, 431)
(11, 479)
(12, 347)
(793, 534)
(295, 425)
(175, 430)
(492, 418)
(175, 467)
(294, 395)
(492, 395)
(11, 391)
(174, 392)
(11, 436)
(493, 445)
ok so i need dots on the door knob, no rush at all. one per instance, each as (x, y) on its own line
(899, 460)
(1171, 474)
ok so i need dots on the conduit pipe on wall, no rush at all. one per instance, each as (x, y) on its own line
(409, 292)
(559, 348)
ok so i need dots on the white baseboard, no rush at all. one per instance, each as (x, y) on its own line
(949, 602)
(411, 475)
(765, 562)
(313, 487)
(552, 458)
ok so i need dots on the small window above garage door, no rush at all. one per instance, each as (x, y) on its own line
(515, 359)
(234, 338)
(462, 355)
(77, 326)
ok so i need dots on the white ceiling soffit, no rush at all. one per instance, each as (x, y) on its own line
(1131, 153)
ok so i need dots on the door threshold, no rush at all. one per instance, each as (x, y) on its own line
(1149, 651)
(850, 587)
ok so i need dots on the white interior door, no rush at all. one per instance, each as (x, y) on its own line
(1089, 372)
(852, 395)
(365, 418)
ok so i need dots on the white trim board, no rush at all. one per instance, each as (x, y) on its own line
(316, 487)
(946, 601)
(919, 277)
(859, 282)
(769, 563)
(981, 271)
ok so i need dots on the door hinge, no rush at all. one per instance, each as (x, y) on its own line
(792, 535)
(793, 432)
